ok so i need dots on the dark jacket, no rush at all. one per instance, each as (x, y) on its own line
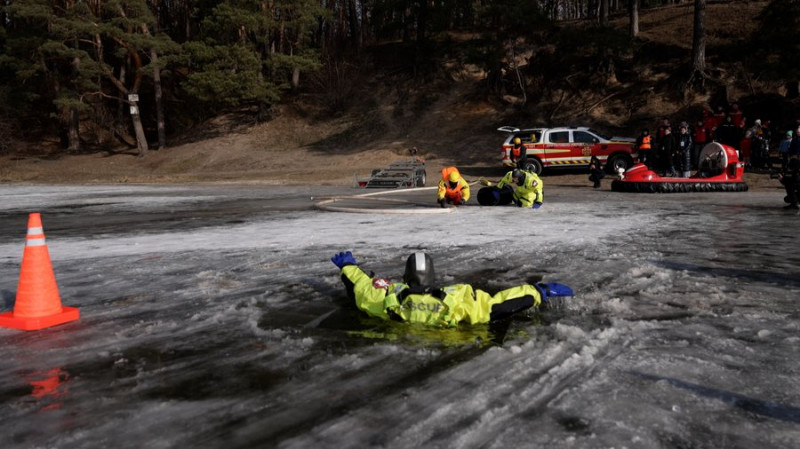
(668, 145)
(726, 134)
(683, 142)
(794, 147)
(595, 170)
(667, 151)
(791, 180)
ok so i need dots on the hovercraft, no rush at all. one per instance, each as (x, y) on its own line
(719, 170)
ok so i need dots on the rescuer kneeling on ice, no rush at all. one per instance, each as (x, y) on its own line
(453, 188)
(522, 187)
(418, 300)
(529, 188)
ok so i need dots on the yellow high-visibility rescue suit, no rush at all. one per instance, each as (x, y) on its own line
(527, 193)
(443, 307)
(416, 300)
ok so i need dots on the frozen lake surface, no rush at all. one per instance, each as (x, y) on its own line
(211, 316)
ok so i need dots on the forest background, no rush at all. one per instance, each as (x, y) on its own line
(277, 91)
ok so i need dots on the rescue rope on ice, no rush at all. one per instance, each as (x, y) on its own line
(428, 209)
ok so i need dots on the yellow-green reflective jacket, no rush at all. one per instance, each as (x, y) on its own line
(531, 191)
(446, 306)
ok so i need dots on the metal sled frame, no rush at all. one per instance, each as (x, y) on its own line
(398, 175)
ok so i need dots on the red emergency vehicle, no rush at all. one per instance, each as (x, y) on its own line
(569, 147)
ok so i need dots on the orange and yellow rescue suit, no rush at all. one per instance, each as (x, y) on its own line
(452, 188)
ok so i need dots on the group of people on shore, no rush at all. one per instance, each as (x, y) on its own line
(674, 151)
(667, 153)
(676, 154)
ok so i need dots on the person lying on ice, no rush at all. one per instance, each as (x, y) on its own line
(453, 188)
(529, 188)
(418, 300)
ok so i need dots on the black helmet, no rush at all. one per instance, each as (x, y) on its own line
(419, 270)
(519, 175)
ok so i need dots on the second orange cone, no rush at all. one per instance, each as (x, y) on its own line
(38, 303)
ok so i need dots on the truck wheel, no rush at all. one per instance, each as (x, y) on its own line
(618, 161)
(533, 166)
(422, 177)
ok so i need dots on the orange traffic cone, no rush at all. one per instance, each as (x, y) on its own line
(38, 303)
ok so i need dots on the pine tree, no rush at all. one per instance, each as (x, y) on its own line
(79, 54)
(250, 51)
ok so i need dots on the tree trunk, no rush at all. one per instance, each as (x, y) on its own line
(73, 135)
(295, 78)
(136, 60)
(365, 25)
(406, 22)
(519, 75)
(68, 123)
(634, 15)
(162, 134)
(141, 139)
(422, 22)
(793, 89)
(122, 105)
(699, 38)
(604, 12)
(355, 31)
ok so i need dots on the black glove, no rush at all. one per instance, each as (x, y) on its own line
(442, 202)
